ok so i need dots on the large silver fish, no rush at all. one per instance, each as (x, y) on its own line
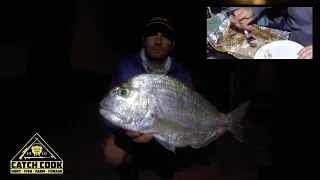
(175, 115)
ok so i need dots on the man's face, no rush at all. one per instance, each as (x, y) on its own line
(158, 46)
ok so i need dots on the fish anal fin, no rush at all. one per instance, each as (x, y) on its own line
(164, 143)
(209, 140)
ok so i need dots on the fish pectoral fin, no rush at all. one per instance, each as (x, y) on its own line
(169, 127)
(164, 143)
(164, 125)
(154, 106)
(159, 108)
(207, 141)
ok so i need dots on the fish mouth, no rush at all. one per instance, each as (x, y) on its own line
(113, 116)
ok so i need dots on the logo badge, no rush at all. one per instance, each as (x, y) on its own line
(36, 157)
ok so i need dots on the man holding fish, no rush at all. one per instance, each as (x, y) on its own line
(298, 22)
(123, 147)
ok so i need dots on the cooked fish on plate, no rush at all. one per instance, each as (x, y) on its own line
(235, 36)
(232, 40)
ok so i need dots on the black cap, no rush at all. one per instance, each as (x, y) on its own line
(160, 24)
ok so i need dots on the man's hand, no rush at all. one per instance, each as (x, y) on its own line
(209, 49)
(242, 18)
(144, 138)
(221, 130)
(306, 53)
(140, 138)
(112, 153)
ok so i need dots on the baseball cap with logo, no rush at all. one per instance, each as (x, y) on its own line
(160, 24)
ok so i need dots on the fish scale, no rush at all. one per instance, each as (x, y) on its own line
(170, 92)
(173, 113)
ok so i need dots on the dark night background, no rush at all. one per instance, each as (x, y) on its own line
(56, 62)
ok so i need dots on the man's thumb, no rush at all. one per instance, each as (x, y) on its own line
(247, 26)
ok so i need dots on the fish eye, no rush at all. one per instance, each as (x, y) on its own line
(124, 92)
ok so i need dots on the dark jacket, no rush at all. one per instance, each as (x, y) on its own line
(150, 155)
(298, 22)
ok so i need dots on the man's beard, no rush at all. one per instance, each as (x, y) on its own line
(156, 59)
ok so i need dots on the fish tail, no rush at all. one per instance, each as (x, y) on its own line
(236, 116)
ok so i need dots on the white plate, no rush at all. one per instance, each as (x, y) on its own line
(282, 49)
